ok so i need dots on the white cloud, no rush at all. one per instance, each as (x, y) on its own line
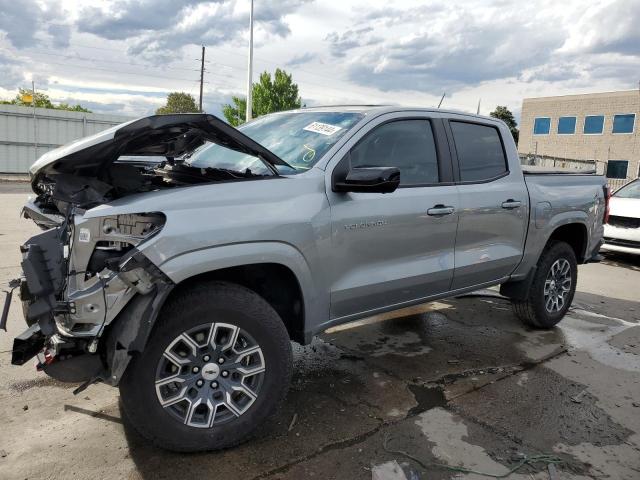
(124, 55)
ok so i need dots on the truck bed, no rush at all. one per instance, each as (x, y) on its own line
(535, 170)
(554, 197)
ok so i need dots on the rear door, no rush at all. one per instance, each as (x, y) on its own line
(493, 203)
(390, 249)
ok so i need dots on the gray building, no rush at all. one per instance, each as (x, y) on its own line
(25, 134)
(598, 129)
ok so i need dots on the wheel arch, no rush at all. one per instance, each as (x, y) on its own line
(274, 282)
(277, 271)
(575, 234)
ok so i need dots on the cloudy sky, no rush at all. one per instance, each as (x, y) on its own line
(123, 56)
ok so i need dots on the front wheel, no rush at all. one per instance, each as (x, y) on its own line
(217, 364)
(552, 289)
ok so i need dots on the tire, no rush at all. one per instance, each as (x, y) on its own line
(194, 324)
(534, 310)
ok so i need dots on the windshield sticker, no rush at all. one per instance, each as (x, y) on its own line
(321, 128)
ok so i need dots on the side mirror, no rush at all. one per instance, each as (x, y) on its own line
(369, 179)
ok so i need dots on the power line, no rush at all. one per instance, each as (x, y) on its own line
(93, 61)
(236, 54)
(218, 84)
(121, 73)
(323, 86)
(165, 77)
(78, 57)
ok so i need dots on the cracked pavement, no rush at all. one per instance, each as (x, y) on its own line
(458, 383)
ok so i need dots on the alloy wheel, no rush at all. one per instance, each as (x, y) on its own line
(557, 285)
(210, 374)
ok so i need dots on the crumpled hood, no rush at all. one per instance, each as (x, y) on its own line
(624, 207)
(158, 135)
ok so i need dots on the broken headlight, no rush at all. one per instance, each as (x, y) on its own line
(99, 242)
(96, 287)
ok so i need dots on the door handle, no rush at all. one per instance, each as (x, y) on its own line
(511, 203)
(440, 211)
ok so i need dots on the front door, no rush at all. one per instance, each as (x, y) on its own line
(391, 249)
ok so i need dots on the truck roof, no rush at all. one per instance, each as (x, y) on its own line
(379, 109)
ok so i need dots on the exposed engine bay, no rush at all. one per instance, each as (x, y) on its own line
(81, 272)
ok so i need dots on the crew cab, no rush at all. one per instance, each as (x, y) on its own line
(183, 281)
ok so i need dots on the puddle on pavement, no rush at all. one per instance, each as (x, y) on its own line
(547, 409)
(427, 397)
(595, 339)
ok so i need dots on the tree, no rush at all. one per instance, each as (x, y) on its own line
(179, 102)
(236, 113)
(504, 114)
(269, 95)
(71, 108)
(25, 98)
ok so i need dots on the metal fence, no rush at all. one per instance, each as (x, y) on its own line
(27, 133)
(573, 164)
(617, 183)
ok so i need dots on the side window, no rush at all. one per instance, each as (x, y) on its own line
(480, 152)
(408, 145)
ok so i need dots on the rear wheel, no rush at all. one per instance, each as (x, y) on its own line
(216, 366)
(552, 289)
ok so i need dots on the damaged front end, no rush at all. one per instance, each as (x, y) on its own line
(89, 295)
(78, 278)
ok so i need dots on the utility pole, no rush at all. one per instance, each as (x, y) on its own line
(201, 77)
(250, 67)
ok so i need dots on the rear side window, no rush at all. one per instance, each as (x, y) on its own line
(480, 153)
(408, 145)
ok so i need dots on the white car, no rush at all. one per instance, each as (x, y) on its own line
(622, 231)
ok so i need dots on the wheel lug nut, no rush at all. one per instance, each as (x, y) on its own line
(225, 373)
(221, 360)
(195, 370)
(214, 384)
(199, 383)
(206, 358)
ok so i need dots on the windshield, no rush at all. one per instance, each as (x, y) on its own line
(631, 190)
(299, 138)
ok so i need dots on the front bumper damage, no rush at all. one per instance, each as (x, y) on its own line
(89, 295)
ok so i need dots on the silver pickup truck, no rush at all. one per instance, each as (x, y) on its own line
(183, 280)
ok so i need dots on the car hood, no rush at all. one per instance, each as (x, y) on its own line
(624, 207)
(158, 135)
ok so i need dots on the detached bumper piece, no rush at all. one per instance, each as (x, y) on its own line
(27, 345)
(43, 267)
